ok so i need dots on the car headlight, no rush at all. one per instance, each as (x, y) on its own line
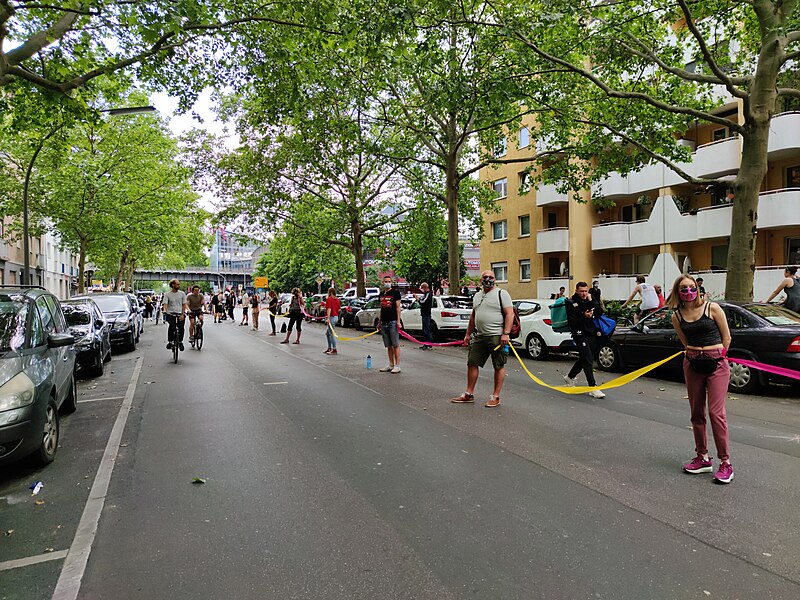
(84, 341)
(16, 392)
(120, 325)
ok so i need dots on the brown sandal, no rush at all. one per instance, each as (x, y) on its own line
(493, 402)
(463, 398)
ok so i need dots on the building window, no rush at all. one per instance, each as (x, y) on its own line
(500, 271)
(501, 148)
(499, 230)
(525, 226)
(501, 188)
(524, 182)
(720, 134)
(792, 250)
(552, 220)
(524, 137)
(793, 176)
(525, 270)
(719, 258)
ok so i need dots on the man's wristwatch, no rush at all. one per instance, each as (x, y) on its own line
(506, 333)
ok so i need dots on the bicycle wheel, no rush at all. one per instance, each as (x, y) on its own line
(175, 351)
(198, 337)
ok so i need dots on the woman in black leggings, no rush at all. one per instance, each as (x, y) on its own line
(295, 315)
(273, 309)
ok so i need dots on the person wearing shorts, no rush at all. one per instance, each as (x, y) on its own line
(196, 303)
(490, 321)
(389, 324)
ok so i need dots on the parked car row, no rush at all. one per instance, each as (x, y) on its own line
(44, 345)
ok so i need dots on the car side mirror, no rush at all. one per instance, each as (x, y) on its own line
(59, 340)
(98, 323)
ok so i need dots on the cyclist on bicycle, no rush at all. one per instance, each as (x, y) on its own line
(196, 303)
(174, 310)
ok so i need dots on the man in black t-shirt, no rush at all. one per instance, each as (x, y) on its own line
(425, 305)
(389, 324)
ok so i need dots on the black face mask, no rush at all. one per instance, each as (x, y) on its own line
(487, 282)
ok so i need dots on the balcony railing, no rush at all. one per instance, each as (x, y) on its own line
(552, 240)
(547, 195)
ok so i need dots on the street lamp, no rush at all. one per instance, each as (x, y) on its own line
(26, 259)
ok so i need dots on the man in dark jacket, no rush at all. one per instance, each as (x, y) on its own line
(582, 310)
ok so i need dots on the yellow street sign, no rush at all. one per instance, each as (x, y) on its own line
(261, 282)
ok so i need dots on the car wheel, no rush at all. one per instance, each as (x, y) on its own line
(70, 404)
(608, 358)
(743, 380)
(357, 324)
(132, 342)
(536, 347)
(100, 367)
(46, 452)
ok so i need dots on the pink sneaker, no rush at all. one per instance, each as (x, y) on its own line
(724, 474)
(699, 465)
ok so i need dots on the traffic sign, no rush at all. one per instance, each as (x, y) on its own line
(261, 282)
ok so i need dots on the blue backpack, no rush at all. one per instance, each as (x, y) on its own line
(558, 316)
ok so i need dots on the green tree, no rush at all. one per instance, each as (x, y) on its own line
(619, 83)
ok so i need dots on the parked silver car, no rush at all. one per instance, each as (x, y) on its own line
(37, 374)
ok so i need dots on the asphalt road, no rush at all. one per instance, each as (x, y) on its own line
(327, 480)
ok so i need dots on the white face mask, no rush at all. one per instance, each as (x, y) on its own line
(387, 285)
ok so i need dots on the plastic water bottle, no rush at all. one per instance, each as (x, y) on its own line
(369, 361)
(505, 348)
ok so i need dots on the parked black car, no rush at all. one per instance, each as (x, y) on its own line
(349, 309)
(92, 335)
(759, 332)
(37, 374)
(119, 312)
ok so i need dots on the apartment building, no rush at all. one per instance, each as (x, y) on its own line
(50, 266)
(660, 224)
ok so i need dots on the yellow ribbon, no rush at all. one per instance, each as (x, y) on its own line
(582, 389)
(350, 339)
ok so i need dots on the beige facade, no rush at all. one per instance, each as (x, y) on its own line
(659, 225)
(52, 268)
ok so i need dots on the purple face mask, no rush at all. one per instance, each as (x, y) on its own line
(688, 294)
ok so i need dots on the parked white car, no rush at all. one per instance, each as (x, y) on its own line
(353, 292)
(449, 315)
(368, 316)
(536, 335)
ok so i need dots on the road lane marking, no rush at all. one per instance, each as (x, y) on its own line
(313, 364)
(103, 398)
(69, 582)
(32, 560)
(275, 382)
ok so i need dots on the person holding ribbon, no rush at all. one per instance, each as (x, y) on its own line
(273, 309)
(582, 310)
(295, 315)
(332, 307)
(703, 329)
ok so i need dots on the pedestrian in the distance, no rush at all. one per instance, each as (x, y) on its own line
(245, 301)
(295, 315)
(425, 305)
(272, 307)
(790, 285)
(332, 307)
(389, 324)
(597, 294)
(255, 301)
(582, 310)
(700, 287)
(649, 298)
(491, 320)
(703, 329)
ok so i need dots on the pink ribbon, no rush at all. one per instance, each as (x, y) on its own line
(415, 340)
(791, 373)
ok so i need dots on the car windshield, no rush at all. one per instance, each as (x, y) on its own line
(76, 314)
(110, 304)
(13, 314)
(775, 314)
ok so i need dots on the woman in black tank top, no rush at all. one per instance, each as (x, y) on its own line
(703, 329)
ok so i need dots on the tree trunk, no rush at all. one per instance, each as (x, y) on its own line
(358, 253)
(453, 255)
(82, 266)
(758, 111)
(123, 265)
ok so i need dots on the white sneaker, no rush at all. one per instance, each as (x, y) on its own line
(396, 370)
(597, 394)
(569, 381)
(386, 369)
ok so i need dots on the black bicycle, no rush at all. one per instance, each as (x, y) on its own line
(197, 341)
